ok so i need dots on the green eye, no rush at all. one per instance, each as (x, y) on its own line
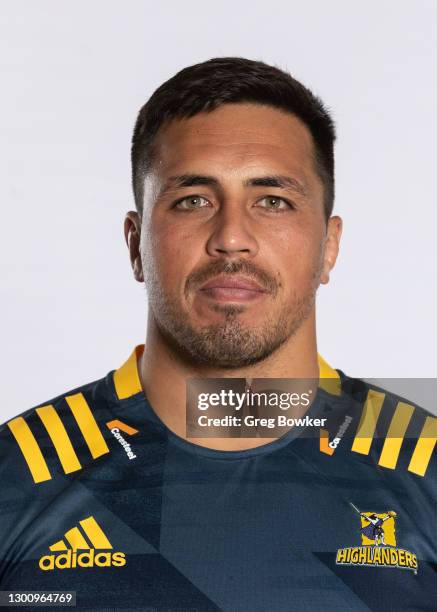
(191, 203)
(275, 203)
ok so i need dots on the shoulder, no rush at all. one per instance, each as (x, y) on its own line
(395, 431)
(55, 438)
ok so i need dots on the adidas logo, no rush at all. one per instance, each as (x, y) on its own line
(98, 552)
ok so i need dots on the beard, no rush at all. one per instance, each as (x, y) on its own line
(228, 344)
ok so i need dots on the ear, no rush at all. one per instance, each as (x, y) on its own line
(332, 245)
(132, 234)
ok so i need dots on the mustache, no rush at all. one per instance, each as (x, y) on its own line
(199, 277)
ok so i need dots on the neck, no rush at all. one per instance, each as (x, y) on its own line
(163, 374)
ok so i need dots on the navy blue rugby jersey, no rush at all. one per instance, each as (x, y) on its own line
(99, 497)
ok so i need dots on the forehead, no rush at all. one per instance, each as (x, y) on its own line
(235, 137)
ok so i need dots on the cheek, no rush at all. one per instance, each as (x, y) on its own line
(298, 257)
(172, 253)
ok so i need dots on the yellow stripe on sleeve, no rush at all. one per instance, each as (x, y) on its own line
(87, 425)
(59, 437)
(395, 435)
(424, 447)
(30, 449)
(369, 418)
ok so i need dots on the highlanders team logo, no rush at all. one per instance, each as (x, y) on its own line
(378, 544)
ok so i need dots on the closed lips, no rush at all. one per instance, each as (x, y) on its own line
(232, 282)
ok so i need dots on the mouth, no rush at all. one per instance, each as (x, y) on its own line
(227, 288)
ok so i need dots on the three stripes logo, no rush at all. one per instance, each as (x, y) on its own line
(83, 546)
(59, 437)
(394, 438)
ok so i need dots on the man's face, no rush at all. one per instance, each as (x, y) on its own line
(233, 235)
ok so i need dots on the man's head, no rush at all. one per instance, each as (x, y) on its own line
(233, 174)
(224, 80)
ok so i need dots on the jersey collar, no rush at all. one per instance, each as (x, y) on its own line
(127, 379)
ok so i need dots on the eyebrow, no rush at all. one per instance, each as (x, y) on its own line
(272, 180)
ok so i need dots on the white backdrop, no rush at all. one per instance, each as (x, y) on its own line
(74, 75)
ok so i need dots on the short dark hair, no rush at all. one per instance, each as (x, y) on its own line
(205, 86)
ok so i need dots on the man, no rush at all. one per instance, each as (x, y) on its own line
(103, 492)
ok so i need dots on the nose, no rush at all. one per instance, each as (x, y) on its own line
(232, 233)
